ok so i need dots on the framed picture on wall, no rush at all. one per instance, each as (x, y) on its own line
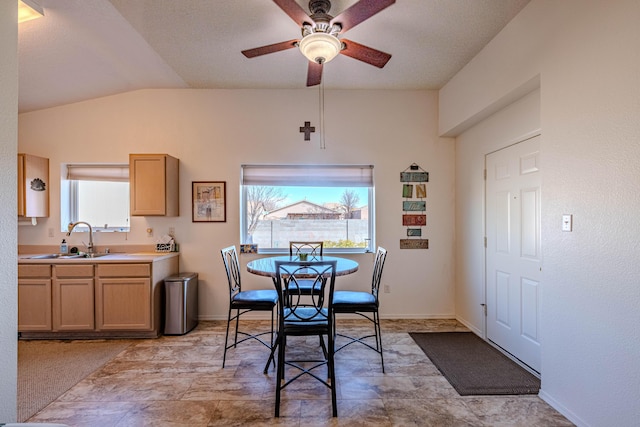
(209, 199)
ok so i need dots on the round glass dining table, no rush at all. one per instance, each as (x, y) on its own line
(267, 266)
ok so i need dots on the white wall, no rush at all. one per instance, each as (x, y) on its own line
(587, 54)
(506, 127)
(8, 209)
(213, 132)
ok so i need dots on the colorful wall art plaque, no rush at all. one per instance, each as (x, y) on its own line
(414, 243)
(407, 190)
(414, 232)
(414, 205)
(414, 176)
(418, 220)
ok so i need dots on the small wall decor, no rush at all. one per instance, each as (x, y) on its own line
(249, 248)
(307, 129)
(209, 201)
(411, 219)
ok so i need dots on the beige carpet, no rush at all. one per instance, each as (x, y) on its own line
(47, 369)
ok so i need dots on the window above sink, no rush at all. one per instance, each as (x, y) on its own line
(96, 193)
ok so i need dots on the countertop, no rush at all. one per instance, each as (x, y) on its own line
(111, 258)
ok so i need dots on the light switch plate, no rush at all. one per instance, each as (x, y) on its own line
(567, 222)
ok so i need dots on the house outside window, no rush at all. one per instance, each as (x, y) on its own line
(329, 203)
(97, 194)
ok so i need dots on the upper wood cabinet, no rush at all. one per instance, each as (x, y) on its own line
(153, 185)
(33, 186)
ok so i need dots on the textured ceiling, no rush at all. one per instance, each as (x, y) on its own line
(84, 49)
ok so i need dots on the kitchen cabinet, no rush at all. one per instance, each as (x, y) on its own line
(123, 299)
(33, 186)
(34, 298)
(154, 185)
(93, 298)
(73, 298)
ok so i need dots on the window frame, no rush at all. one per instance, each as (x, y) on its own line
(72, 174)
(311, 175)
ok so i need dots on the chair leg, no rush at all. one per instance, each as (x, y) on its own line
(378, 331)
(375, 319)
(332, 373)
(274, 345)
(226, 339)
(235, 339)
(280, 375)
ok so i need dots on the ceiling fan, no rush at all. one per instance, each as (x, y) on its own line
(320, 42)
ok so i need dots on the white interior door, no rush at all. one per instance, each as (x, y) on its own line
(513, 250)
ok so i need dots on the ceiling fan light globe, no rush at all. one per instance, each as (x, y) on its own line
(320, 47)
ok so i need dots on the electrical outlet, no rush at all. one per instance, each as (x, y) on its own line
(50, 232)
(387, 289)
(172, 231)
(149, 232)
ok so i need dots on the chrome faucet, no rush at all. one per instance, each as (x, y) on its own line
(72, 225)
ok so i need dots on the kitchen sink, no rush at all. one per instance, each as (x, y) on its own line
(67, 256)
(56, 256)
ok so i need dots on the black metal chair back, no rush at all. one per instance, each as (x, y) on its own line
(381, 256)
(310, 248)
(232, 267)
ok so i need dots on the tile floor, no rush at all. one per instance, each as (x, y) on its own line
(179, 381)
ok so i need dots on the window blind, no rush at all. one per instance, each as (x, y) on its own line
(308, 175)
(98, 172)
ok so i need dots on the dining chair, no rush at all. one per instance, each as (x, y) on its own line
(311, 248)
(308, 249)
(243, 302)
(364, 304)
(298, 319)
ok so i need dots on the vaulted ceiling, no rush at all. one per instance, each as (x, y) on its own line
(84, 49)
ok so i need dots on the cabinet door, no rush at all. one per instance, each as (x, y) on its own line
(33, 186)
(73, 304)
(21, 202)
(34, 305)
(154, 184)
(123, 303)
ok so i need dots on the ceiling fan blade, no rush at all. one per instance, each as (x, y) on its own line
(271, 48)
(294, 10)
(314, 74)
(365, 54)
(360, 11)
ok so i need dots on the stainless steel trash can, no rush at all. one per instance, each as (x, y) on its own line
(181, 303)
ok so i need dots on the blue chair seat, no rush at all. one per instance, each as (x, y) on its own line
(350, 301)
(256, 299)
(306, 318)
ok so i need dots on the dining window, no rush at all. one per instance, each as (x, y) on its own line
(329, 203)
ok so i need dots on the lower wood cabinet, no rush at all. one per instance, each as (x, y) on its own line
(123, 298)
(34, 298)
(73, 298)
(92, 300)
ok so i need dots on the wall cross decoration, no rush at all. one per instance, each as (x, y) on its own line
(308, 130)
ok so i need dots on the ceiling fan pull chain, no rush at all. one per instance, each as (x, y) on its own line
(321, 96)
